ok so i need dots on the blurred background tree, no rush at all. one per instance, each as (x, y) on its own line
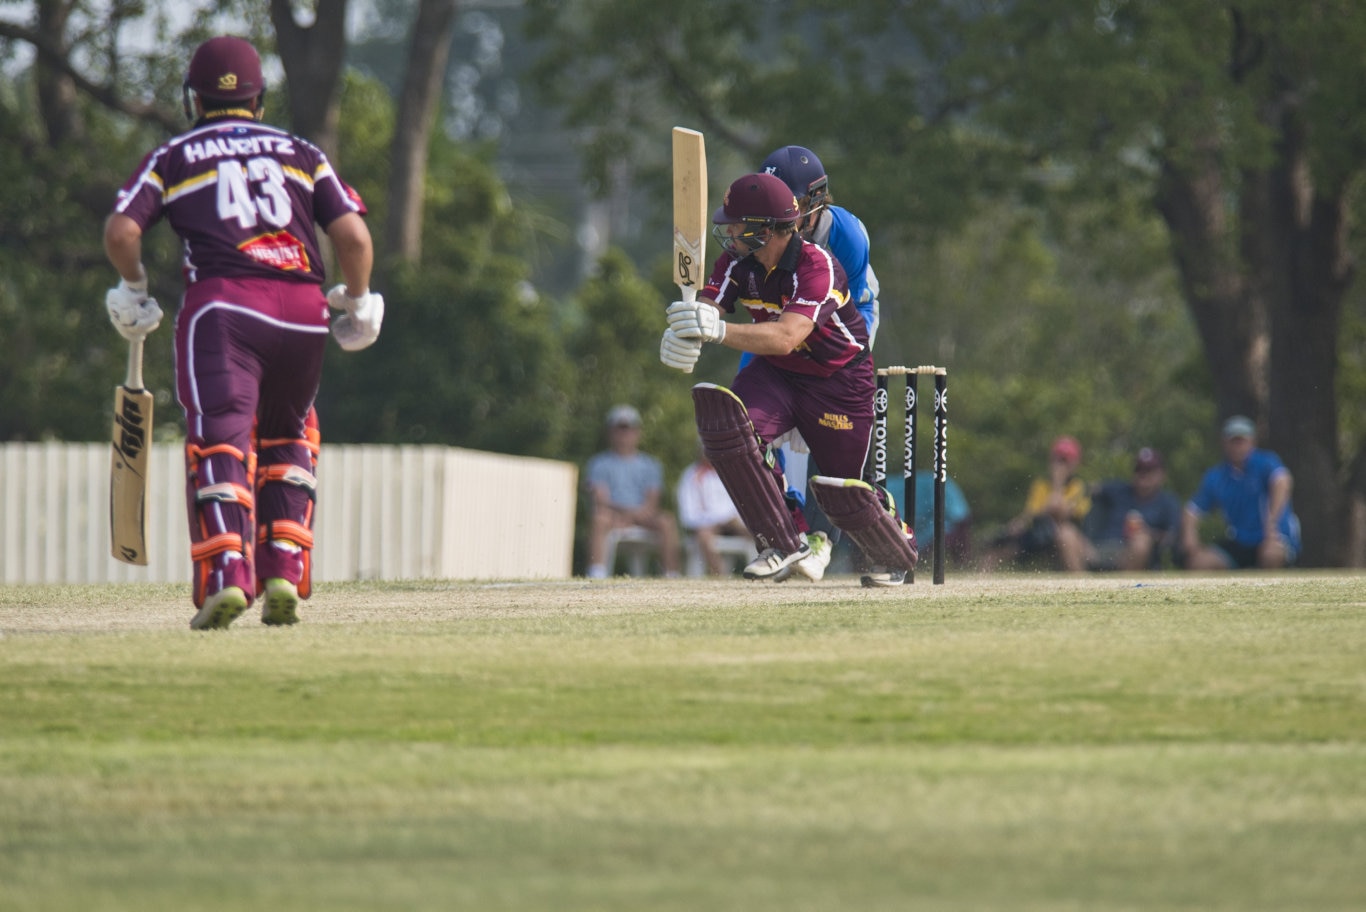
(1121, 220)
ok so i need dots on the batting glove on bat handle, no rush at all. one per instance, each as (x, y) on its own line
(679, 353)
(696, 320)
(131, 312)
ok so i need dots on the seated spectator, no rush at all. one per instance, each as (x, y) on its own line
(706, 511)
(625, 487)
(1048, 528)
(1252, 488)
(1132, 522)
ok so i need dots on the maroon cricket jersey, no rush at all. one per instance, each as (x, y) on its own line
(806, 281)
(243, 197)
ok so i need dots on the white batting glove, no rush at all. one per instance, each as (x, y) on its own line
(133, 314)
(680, 353)
(359, 323)
(696, 320)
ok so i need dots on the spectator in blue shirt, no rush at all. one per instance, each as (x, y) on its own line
(625, 487)
(1251, 487)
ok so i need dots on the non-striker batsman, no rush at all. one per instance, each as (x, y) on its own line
(251, 328)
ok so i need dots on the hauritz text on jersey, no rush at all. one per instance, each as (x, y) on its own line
(237, 145)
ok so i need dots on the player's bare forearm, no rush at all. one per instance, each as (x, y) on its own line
(123, 246)
(355, 252)
(779, 337)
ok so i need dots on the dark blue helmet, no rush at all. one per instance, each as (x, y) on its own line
(802, 171)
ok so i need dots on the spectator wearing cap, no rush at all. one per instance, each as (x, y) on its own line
(625, 488)
(1132, 522)
(1251, 488)
(1049, 526)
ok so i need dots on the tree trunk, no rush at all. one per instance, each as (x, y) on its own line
(1229, 317)
(313, 58)
(1266, 294)
(56, 88)
(429, 49)
(1306, 269)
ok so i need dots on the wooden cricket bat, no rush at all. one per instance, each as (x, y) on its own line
(690, 211)
(128, 468)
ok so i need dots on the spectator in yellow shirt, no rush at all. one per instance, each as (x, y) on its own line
(1048, 529)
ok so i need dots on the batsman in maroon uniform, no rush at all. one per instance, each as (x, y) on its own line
(812, 373)
(251, 328)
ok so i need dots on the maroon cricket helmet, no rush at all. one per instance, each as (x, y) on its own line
(225, 68)
(757, 198)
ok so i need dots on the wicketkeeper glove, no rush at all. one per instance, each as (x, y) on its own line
(133, 314)
(678, 352)
(358, 325)
(696, 320)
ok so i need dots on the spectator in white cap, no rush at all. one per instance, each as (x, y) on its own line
(1251, 487)
(625, 487)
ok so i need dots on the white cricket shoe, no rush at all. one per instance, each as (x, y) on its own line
(879, 577)
(813, 565)
(771, 563)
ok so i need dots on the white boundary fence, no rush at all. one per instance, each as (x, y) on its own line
(384, 512)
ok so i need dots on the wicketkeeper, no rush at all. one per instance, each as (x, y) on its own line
(813, 372)
(251, 329)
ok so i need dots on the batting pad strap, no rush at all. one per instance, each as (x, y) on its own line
(854, 507)
(287, 473)
(311, 443)
(199, 453)
(734, 450)
(285, 530)
(225, 492)
(218, 544)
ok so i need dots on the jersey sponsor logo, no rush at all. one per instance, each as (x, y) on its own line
(837, 422)
(279, 249)
(227, 146)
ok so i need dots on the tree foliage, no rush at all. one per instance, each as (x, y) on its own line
(1119, 219)
(1223, 123)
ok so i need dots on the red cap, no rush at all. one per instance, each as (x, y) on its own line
(1066, 449)
(226, 68)
(757, 196)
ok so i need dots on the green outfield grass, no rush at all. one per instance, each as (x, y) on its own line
(1021, 743)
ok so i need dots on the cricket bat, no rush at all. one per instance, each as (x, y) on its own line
(128, 468)
(690, 211)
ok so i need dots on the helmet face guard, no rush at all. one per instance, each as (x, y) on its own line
(816, 194)
(753, 234)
